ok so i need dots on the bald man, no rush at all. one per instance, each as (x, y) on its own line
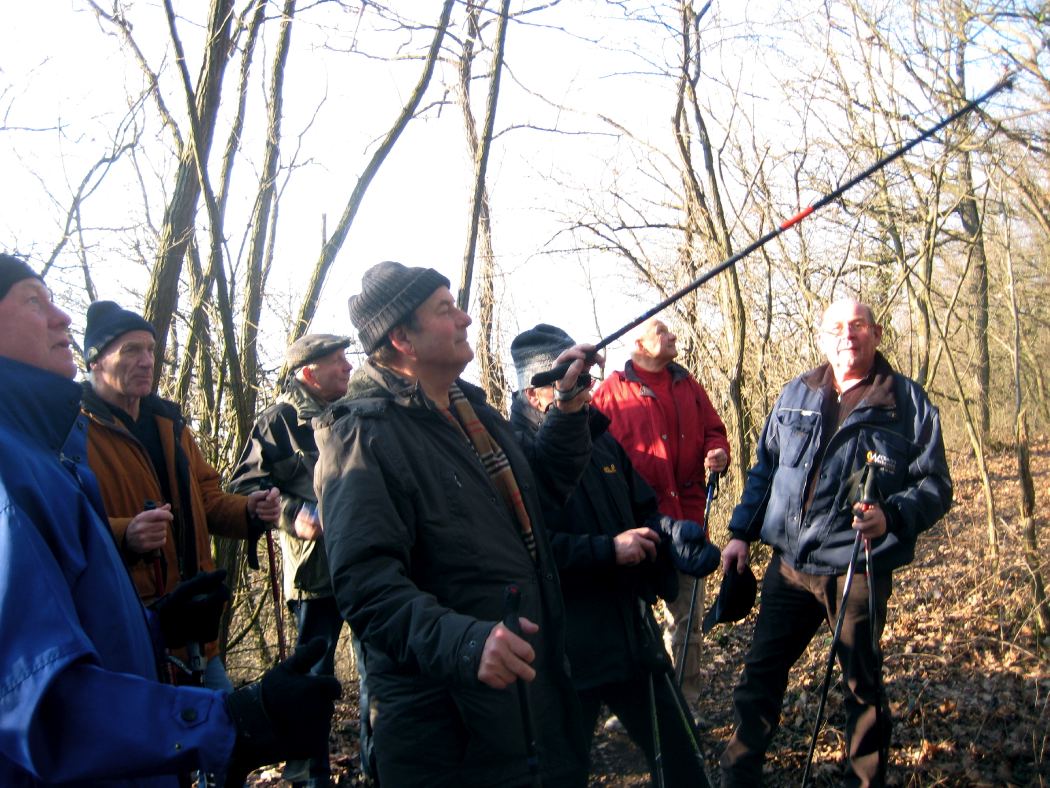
(664, 419)
(826, 426)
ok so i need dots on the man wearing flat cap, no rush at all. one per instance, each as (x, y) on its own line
(431, 510)
(162, 496)
(281, 453)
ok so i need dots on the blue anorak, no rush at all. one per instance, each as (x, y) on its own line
(80, 701)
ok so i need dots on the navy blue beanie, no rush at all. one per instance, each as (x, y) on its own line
(13, 270)
(106, 321)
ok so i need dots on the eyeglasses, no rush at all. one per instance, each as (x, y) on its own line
(845, 329)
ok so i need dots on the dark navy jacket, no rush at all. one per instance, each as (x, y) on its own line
(896, 425)
(80, 703)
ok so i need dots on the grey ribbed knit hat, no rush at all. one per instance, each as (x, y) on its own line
(536, 350)
(390, 292)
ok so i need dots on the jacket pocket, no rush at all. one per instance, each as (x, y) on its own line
(796, 432)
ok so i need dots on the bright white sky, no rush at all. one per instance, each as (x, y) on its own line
(60, 68)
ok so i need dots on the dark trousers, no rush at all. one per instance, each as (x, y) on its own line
(629, 700)
(318, 618)
(793, 607)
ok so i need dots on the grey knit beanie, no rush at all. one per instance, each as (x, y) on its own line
(390, 292)
(535, 351)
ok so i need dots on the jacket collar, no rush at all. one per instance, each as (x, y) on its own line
(880, 395)
(306, 405)
(39, 403)
(677, 372)
(97, 407)
(526, 418)
(376, 381)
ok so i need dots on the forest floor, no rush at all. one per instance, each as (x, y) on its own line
(970, 696)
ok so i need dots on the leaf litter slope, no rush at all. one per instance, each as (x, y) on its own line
(967, 688)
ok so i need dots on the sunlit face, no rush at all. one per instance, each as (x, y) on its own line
(848, 338)
(34, 331)
(438, 340)
(658, 343)
(124, 370)
(328, 376)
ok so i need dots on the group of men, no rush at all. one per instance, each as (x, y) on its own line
(412, 510)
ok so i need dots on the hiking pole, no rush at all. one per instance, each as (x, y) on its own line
(712, 493)
(511, 604)
(831, 656)
(654, 725)
(558, 372)
(876, 651)
(685, 716)
(275, 592)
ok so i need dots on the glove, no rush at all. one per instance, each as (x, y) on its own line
(192, 611)
(691, 551)
(285, 715)
(256, 529)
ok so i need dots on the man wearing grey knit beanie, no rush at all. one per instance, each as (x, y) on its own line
(431, 511)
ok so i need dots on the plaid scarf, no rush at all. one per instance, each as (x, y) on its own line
(496, 464)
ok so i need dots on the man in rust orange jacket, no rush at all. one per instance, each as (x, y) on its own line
(664, 419)
(162, 497)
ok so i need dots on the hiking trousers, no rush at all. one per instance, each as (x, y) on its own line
(793, 606)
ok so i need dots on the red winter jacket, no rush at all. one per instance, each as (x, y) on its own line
(638, 424)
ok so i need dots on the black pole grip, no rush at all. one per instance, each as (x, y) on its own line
(541, 379)
(511, 606)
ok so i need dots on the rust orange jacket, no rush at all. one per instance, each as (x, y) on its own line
(127, 480)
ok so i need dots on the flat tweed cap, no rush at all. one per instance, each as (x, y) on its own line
(106, 321)
(310, 347)
(12, 271)
(390, 292)
(536, 350)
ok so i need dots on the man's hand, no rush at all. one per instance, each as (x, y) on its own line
(636, 545)
(148, 530)
(583, 357)
(870, 520)
(265, 504)
(736, 552)
(716, 460)
(307, 523)
(507, 657)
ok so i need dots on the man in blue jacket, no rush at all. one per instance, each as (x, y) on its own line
(825, 426)
(80, 701)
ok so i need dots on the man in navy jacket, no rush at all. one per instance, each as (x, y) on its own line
(825, 426)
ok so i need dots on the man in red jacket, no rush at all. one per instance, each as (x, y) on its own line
(664, 419)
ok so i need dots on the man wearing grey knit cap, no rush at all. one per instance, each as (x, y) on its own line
(431, 510)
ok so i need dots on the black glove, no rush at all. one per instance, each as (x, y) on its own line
(256, 529)
(286, 714)
(192, 611)
(691, 551)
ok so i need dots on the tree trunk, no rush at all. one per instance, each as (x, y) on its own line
(493, 379)
(163, 292)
